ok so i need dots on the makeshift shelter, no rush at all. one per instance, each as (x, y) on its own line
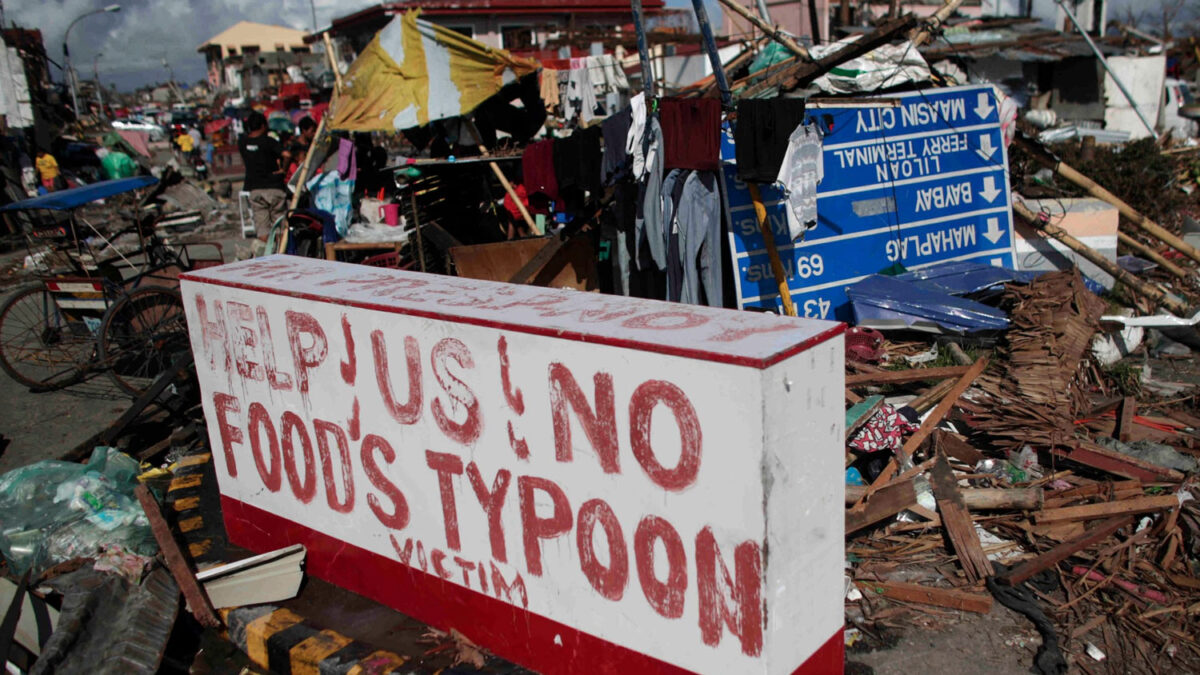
(414, 72)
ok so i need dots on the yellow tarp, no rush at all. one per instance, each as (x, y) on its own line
(414, 72)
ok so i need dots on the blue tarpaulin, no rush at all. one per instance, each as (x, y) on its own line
(65, 200)
(890, 302)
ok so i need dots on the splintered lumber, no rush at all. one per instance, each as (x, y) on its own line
(886, 503)
(957, 523)
(979, 499)
(957, 448)
(927, 595)
(1151, 293)
(774, 32)
(1130, 507)
(902, 376)
(931, 396)
(1111, 461)
(1045, 561)
(197, 601)
(1125, 419)
(934, 23)
(927, 427)
(1153, 255)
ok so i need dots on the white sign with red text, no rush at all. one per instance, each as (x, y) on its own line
(578, 482)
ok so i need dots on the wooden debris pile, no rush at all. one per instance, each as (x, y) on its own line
(1093, 533)
(1034, 393)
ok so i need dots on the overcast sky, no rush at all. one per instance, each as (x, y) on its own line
(134, 41)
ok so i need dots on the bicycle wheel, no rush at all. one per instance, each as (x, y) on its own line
(39, 346)
(141, 335)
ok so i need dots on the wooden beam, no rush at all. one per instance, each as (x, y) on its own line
(1135, 506)
(192, 591)
(957, 523)
(764, 226)
(1045, 561)
(886, 503)
(979, 499)
(902, 376)
(1111, 461)
(1125, 419)
(861, 412)
(966, 601)
(772, 31)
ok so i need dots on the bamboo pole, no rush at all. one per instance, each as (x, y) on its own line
(772, 31)
(1151, 254)
(504, 180)
(1094, 189)
(919, 36)
(777, 270)
(1151, 293)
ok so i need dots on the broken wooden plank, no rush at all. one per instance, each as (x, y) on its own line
(926, 595)
(1130, 507)
(1097, 457)
(956, 521)
(884, 504)
(902, 376)
(1045, 561)
(979, 499)
(197, 601)
(1125, 419)
(860, 413)
(958, 448)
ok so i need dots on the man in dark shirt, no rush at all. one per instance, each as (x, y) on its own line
(298, 149)
(263, 156)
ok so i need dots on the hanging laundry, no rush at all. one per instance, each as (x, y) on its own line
(606, 74)
(537, 168)
(580, 99)
(615, 130)
(635, 141)
(699, 217)
(672, 191)
(691, 133)
(549, 88)
(347, 166)
(761, 136)
(802, 170)
(577, 160)
(648, 227)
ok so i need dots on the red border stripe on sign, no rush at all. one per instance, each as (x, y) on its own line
(669, 350)
(529, 639)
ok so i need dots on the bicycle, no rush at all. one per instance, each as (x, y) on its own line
(121, 314)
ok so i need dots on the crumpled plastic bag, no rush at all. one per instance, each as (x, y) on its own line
(52, 511)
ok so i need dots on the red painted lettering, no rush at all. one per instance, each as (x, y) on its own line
(305, 489)
(641, 409)
(404, 554)
(213, 333)
(467, 567)
(609, 580)
(447, 466)
(437, 557)
(323, 430)
(599, 424)
(278, 381)
(507, 589)
(665, 597)
(349, 367)
(305, 357)
(536, 528)
(519, 446)
(230, 435)
(355, 421)
(492, 502)
(397, 517)
(515, 400)
(244, 339)
(718, 592)
(460, 394)
(410, 412)
(670, 320)
(267, 470)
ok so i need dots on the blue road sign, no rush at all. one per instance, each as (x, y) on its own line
(914, 179)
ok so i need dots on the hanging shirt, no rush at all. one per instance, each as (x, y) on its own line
(615, 130)
(537, 169)
(802, 170)
(580, 98)
(261, 155)
(549, 88)
(761, 136)
(47, 167)
(691, 133)
(637, 132)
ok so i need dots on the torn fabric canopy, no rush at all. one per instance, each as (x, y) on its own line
(414, 72)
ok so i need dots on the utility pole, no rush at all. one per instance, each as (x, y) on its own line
(99, 87)
(70, 71)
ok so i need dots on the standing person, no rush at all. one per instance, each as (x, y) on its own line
(300, 144)
(263, 157)
(185, 143)
(47, 168)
